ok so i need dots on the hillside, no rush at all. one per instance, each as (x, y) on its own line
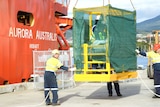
(143, 27)
(149, 25)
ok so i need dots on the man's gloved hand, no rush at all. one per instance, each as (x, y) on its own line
(137, 51)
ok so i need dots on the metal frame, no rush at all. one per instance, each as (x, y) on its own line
(104, 75)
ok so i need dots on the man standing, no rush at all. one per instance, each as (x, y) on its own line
(50, 82)
(155, 58)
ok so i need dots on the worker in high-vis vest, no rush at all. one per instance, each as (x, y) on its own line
(155, 58)
(50, 82)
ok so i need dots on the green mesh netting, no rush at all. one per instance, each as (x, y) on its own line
(115, 30)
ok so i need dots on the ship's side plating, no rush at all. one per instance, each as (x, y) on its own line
(25, 25)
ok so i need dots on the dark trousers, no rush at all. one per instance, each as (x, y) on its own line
(50, 84)
(116, 86)
(157, 81)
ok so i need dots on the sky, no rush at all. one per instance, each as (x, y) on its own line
(145, 9)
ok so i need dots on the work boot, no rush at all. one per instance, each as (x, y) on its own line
(56, 104)
(119, 94)
(48, 103)
(155, 96)
(110, 95)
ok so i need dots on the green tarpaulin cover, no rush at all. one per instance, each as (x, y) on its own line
(115, 29)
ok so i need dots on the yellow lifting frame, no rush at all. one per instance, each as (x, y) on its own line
(104, 75)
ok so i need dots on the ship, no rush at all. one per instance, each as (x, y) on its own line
(26, 26)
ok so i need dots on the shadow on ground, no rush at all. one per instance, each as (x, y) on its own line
(126, 91)
(65, 98)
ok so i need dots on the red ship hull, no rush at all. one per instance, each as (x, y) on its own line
(25, 25)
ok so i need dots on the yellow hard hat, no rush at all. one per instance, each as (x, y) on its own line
(55, 51)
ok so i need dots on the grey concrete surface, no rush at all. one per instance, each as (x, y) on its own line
(136, 93)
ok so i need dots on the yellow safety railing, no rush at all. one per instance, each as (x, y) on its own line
(106, 74)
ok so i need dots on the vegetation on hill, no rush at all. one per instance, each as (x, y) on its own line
(149, 25)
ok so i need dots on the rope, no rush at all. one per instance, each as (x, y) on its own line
(70, 79)
(67, 3)
(139, 76)
(36, 104)
(108, 1)
(132, 4)
(76, 3)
